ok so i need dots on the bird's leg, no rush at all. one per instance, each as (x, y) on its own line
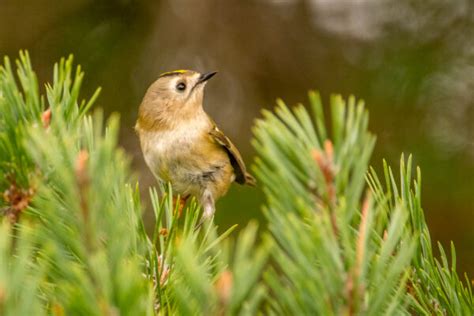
(208, 206)
(182, 202)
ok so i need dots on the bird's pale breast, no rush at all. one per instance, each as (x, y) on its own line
(188, 159)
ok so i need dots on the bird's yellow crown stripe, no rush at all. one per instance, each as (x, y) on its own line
(174, 72)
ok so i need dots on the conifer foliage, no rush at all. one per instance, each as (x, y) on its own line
(340, 240)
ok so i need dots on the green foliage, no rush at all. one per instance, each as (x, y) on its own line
(81, 239)
(19, 279)
(331, 257)
(86, 242)
(73, 242)
(20, 105)
(434, 287)
(197, 271)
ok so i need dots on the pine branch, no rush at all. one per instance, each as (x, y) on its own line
(434, 287)
(88, 236)
(22, 106)
(73, 240)
(330, 258)
(19, 280)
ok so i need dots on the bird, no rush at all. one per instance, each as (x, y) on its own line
(182, 144)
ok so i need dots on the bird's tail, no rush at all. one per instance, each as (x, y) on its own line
(250, 180)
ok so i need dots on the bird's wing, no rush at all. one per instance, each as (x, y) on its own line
(241, 174)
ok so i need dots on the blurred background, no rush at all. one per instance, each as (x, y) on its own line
(411, 61)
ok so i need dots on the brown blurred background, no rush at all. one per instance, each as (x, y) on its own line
(412, 61)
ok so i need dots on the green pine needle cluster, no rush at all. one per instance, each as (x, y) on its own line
(340, 239)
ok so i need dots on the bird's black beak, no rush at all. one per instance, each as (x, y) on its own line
(206, 76)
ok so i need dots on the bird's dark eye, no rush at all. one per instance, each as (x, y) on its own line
(181, 86)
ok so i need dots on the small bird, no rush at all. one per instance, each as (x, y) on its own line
(182, 145)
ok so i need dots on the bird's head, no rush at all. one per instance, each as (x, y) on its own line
(175, 95)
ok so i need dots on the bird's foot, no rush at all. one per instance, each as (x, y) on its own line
(208, 207)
